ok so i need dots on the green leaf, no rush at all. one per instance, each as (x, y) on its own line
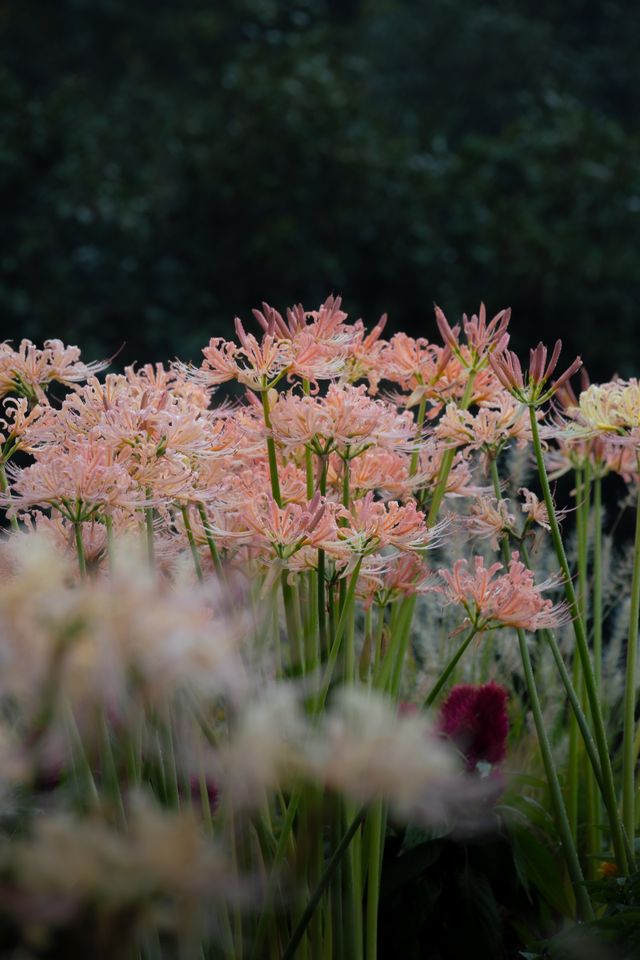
(536, 865)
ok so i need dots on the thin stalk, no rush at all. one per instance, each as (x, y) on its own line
(628, 757)
(322, 601)
(82, 562)
(450, 667)
(622, 850)
(597, 581)
(213, 550)
(448, 458)
(271, 450)
(148, 517)
(415, 456)
(337, 638)
(184, 509)
(323, 884)
(574, 700)
(108, 523)
(283, 843)
(585, 908)
(4, 488)
(399, 627)
(377, 651)
(591, 819)
(292, 617)
(573, 772)
(373, 838)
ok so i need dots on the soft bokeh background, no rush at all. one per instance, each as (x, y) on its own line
(166, 164)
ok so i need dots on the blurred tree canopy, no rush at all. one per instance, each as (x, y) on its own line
(165, 165)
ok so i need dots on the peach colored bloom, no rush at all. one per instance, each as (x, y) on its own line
(257, 364)
(536, 388)
(345, 420)
(482, 338)
(414, 364)
(319, 339)
(490, 519)
(78, 478)
(536, 510)
(403, 575)
(459, 480)
(19, 426)
(372, 525)
(28, 371)
(490, 429)
(365, 355)
(511, 599)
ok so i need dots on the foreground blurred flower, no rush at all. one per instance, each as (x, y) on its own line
(475, 718)
(370, 752)
(160, 871)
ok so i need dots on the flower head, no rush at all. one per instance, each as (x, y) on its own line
(511, 599)
(535, 389)
(475, 718)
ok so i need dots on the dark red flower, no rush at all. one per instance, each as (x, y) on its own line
(475, 718)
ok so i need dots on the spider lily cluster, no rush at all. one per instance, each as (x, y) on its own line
(206, 629)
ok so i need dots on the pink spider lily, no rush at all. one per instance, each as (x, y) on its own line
(482, 338)
(416, 365)
(80, 479)
(398, 577)
(511, 599)
(372, 525)
(28, 371)
(490, 519)
(535, 389)
(19, 426)
(490, 429)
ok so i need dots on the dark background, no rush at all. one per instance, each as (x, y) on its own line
(167, 164)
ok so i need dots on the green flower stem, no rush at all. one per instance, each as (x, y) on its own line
(596, 811)
(292, 617)
(574, 700)
(628, 757)
(323, 885)
(560, 811)
(592, 829)
(284, 843)
(148, 515)
(450, 667)
(108, 523)
(213, 550)
(311, 634)
(597, 581)
(271, 451)
(621, 847)
(321, 584)
(399, 634)
(573, 772)
(585, 908)
(82, 562)
(184, 509)
(343, 620)
(415, 456)
(377, 644)
(4, 488)
(373, 839)
(448, 458)
(570, 690)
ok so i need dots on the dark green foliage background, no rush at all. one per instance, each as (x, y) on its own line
(166, 164)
